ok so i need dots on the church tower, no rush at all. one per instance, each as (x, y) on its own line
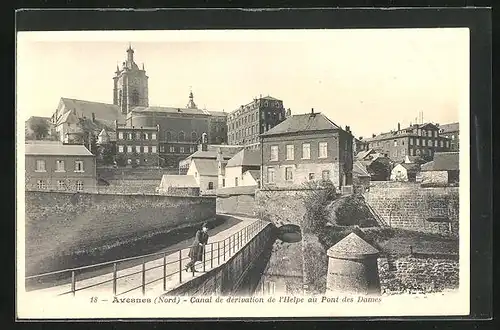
(191, 104)
(130, 85)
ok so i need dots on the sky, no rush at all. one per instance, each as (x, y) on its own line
(370, 80)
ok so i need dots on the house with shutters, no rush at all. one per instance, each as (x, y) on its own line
(304, 148)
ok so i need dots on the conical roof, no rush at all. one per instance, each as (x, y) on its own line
(352, 247)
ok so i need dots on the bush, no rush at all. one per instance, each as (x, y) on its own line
(321, 193)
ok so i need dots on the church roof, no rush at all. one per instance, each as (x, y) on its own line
(102, 111)
(302, 123)
(169, 110)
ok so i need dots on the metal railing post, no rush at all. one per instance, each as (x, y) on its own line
(114, 278)
(143, 277)
(218, 252)
(204, 257)
(229, 246)
(180, 267)
(73, 282)
(211, 255)
(224, 249)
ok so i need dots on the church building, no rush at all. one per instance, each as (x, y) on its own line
(177, 130)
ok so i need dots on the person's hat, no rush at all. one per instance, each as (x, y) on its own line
(204, 225)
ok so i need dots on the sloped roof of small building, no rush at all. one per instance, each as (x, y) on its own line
(443, 161)
(102, 111)
(362, 154)
(52, 149)
(206, 166)
(178, 181)
(411, 167)
(303, 123)
(351, 246)
(245, 157)
(359, 170)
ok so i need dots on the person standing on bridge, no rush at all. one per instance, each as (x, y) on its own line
(197, 250)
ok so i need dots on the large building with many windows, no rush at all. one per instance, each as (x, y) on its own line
(259, 116)
(417, 140)
(57, 167)
(136, 146)
(451, 131)
(304, 148)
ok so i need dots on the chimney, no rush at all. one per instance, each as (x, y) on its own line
(178, 110)
(373, 135)
(360, 138)
(93, 117)
(399, 126)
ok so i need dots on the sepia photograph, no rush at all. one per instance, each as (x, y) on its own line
(249, 173)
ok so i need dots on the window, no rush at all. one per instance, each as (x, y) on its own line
(441, 143)
(137, 136)
(223, 182)
(60, 166)
(435, 143)
(288, 173)
(40, 184)
(153, 136)
(323, 153)
(453, 137)
(79, 185)
(447, 144)
(181, 136)
(311, 176)
(61, 185)
(418, 142)
(263, 115)
(120, 135)
(236, 182)
(195, 174)
(423, 142)
(412, 152)
(135, 97)
(194, 137)
(129, 161)
(290, 152)
(153, 149)
(270, 175)
(274, 153)
(168, 136)
(395, 143)
(130, 136)
(162, 148)
(403, 152)
(137, 149)
(325, 175)
(129, 148)
(137, 161)
(435, 134)
(210, 185)
(146, 149)
(411, 141)
(172, 149)
(191, 149)
(306, 151)
(40, 165)
(78, 166)
(120, 148)
(181, 149)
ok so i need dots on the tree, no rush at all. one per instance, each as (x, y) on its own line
(40, 128)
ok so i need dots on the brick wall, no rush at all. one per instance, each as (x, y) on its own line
(64, 224)
(418, 274)
(409, 206)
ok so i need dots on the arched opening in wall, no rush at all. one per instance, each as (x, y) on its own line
(168, 135)
(181, 136)
(210, 185)
(194, 136)
(289, 233)
(135, 97)
(120, 98)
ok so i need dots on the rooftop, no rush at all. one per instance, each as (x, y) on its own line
(359, 170)
(52, 149)
(303, 123)
(102, 111)
(408, 131)
(447, 128)
(178, 181)
(254, 173)
(443, 161)
(245, 157)
(206, 166)
(351, 246)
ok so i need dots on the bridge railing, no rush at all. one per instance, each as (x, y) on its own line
(172, 263)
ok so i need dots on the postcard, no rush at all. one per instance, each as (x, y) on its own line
(242, 173)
